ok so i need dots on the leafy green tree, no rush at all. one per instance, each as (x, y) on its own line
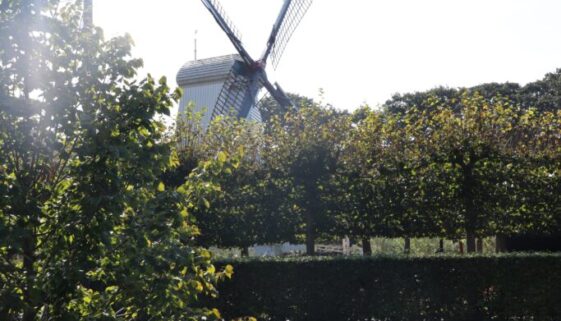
(270, 108)
(543, 94)
(400, 103)
(357, 185)
(302, 154)
(470, 147)
(533, 176)
(186, 135)
(491, 92)
(235, 219)
(87, 229)
(248, 209)
(381, 186)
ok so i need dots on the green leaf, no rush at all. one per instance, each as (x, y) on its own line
(222, 157)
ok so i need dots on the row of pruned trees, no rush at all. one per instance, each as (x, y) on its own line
(461, 166)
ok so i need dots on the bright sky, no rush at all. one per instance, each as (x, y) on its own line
(357, 51)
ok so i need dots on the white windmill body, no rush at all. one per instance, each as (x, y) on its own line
(205, 82)
(229, 85)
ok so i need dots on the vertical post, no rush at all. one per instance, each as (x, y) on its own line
(346, 244)
(196, 44)
(88, 14)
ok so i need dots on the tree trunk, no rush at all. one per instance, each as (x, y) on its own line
(470, 240)
(245, 251)
(366, 246)
(407, 246)
(28, 261)
(468, 192)
(310, 245)
(479, 245)
(461, 246)
(500, 243)
(310, 235)
(441, 246)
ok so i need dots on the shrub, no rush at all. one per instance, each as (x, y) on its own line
(503, 287)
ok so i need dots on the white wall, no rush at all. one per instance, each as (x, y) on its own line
(204, 96)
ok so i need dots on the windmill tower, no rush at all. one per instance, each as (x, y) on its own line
(232, 83)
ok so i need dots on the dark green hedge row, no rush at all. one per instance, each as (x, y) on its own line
(504, 287)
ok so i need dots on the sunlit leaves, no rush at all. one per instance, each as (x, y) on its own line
(88, 229)
(302, 152)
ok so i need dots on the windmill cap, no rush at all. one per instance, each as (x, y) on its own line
(206, 70)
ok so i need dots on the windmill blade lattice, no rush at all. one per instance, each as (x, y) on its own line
(232, 94)
(220, 10)
(294, 15)
(225, 23)
(266, 97)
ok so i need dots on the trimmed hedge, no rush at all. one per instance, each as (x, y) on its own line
(503, 287)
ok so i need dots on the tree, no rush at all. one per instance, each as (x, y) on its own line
(533, 176)
(270, 108)
(357, 185)
(246, 211)
(87, 229)
(235, 219)
(381, 186)
(302, 152)
(186, 135)
(471, 147)
(544, 94)
(400, 103)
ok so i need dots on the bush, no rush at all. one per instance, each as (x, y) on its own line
(503, 287)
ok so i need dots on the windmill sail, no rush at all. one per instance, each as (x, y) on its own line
(219, 14)
(296, 11)
(277, 93)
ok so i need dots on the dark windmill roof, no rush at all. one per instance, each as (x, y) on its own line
(206, 70)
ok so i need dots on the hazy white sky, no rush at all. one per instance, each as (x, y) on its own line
(357, 51)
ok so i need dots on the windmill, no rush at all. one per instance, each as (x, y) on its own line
(232, 83)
